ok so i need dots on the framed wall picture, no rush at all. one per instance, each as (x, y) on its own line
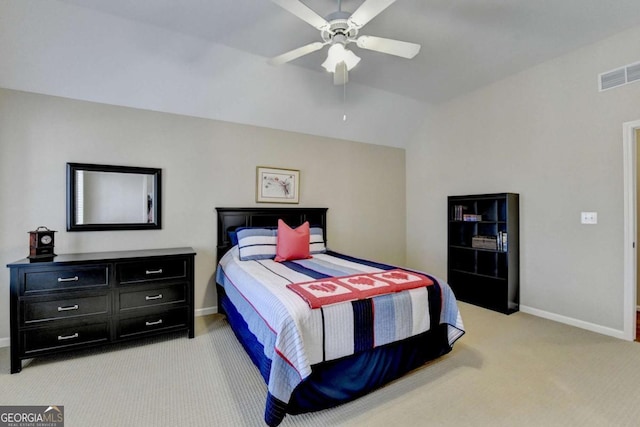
(275, 185)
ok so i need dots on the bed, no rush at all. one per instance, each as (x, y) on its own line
(316, 358)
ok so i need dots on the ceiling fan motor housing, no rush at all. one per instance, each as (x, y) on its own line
(339, 31)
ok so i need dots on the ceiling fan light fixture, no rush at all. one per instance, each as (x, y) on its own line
(338, 30)
(337, 54)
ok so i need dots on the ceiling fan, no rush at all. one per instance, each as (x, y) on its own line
(338, 30)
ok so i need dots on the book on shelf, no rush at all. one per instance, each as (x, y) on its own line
(457, 213)
(502, 241)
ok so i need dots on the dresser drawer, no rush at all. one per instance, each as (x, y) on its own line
(36, 340)
(64, 308)
(66, 278)
(171, 319)
(171, 294)
(149, 270)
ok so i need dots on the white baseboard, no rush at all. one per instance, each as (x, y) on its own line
(5, 342)
(206, 311)
(574, 322)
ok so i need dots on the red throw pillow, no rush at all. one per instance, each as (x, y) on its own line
(292, 243)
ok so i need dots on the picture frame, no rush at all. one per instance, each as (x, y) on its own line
(277, 185)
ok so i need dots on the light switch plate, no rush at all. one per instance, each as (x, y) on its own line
(589, 218)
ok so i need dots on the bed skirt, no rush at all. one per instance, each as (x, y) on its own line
(338, 381)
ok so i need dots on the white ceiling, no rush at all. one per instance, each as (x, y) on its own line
(208, 58)
(466, 44)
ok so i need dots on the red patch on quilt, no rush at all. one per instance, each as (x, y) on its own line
(358, 286)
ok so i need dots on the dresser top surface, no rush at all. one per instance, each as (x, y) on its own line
(104, 256)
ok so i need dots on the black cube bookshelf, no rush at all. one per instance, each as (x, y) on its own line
(483, 250)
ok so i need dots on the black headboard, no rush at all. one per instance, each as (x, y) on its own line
(231, 218)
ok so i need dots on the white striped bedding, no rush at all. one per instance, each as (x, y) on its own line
(296, 337)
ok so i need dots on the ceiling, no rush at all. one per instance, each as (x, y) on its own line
(209, 58)
(466, 44)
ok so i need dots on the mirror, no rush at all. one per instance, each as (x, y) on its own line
(106, 197)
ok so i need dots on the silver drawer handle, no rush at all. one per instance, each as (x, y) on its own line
(150, 298)
(158, 271)
(69, 279)
(71, 307)
(158, 322)
(68, 337)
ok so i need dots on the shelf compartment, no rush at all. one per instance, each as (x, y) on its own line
(487, 229)
(487, 292)
(502, 210)
(502, 265)
(461, 233)
(488, 209)
(462, 259)
(458, 210)
(487, 263)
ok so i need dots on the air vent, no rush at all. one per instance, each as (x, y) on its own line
(612, 79)
(621, 76)
(633, 73)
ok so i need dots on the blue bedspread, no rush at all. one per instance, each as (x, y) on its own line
(295, 337)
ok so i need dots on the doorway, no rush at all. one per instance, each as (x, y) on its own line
(637, 139)
(631, 163)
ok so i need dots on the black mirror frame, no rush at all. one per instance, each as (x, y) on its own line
(71, 202)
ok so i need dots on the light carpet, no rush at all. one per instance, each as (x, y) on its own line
(516, 370)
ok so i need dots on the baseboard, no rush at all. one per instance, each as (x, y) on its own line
(574, 322)
(206, 311)
(5, 342)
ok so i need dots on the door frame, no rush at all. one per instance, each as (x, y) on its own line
(630, 166)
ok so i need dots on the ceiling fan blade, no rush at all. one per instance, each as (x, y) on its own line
(296, 53)
(341, 74)
(303, 12)
(367, 11)
(390, 46)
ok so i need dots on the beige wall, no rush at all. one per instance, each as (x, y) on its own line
(205, 164)
(550, 135)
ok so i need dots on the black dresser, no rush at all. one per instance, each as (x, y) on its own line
(81, 300)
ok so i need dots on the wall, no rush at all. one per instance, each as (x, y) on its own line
(550, 135)
(205, 163)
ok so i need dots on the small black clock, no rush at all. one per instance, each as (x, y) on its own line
(41, 244)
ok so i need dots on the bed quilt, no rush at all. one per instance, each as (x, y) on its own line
(295, 337)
